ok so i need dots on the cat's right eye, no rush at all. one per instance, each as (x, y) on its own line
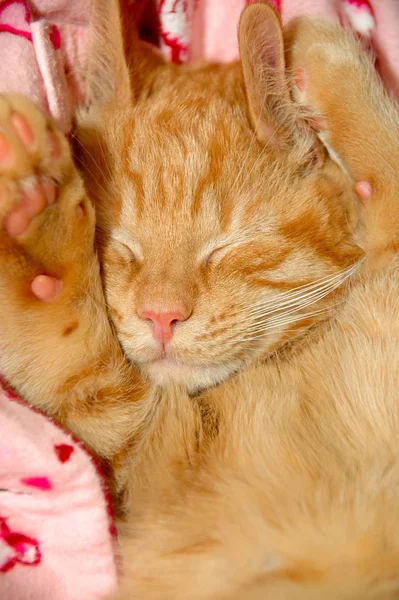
(129, 253)
(126, 251)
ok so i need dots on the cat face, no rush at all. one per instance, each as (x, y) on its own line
(219, 240)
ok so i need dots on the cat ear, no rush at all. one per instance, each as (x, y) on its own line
(117, 61)
(263, 62)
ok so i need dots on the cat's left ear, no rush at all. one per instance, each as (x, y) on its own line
(118, 62)
(271, 110)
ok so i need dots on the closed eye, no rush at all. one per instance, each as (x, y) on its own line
(130, 251)
(213, 253)
(126, 252)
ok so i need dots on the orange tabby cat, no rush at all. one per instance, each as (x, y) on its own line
(294, 491)
(217, 246)
(222, 234)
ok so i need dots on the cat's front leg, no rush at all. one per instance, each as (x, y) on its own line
(336, 84)
(61, 355)
(334, 78)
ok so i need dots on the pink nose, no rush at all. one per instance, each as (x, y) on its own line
(162, 324)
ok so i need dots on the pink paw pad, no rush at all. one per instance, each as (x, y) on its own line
(5, 153)
(17, 221)
(363, 189)
(41, 191)
(23, 130)
(46, 288)
(34, 199)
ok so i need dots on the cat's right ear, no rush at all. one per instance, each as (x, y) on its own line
(117, 61)
(271, 110)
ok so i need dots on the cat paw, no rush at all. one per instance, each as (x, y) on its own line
(321, 56)
(45, 216)
(31, 152)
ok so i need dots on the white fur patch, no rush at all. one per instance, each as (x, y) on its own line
(331, 152)
(359, 18)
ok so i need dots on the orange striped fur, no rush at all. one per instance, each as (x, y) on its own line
(210, 191)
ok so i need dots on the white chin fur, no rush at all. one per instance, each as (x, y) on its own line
(192, 378)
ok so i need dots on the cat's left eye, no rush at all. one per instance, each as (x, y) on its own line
(214, 255)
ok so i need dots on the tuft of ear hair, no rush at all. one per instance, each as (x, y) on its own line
(118, 62)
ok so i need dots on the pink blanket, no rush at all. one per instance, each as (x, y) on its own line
(55, 540)
(56, 526)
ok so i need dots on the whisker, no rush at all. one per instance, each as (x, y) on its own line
(274, 326)
(105, 161)
(262, 331)
(290, 310)
(290, 297)
(93, 175)
(89, 171)
(88, 153)
(304, 301)
(286, 299)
